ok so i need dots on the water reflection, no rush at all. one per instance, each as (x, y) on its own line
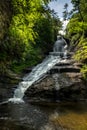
(25, 115)
(68, 117)
(47, 117)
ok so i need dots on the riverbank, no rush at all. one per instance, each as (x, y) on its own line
(64, 82)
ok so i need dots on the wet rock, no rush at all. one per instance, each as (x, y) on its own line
(68, 87)
(10, 77)
(65, 69)
(28, 70)
(60, 85)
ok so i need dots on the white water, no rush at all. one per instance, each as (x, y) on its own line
(37, 73)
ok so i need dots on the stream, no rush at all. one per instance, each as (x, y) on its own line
(45, 116)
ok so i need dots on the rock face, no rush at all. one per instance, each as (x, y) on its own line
(63, 82)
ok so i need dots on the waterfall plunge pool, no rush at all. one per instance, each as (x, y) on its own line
(52, 116)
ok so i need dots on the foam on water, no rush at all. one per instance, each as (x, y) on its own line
(16, 100)
(37, 73)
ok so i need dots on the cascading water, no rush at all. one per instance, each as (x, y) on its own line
(37, 73)
(40, 70)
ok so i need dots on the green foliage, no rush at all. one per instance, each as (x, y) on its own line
(65, 13)
(30, 35)
(77, 32)
(75, 27)
(80, 7)
(81, 53)
(30, 25)
(33, 57)
(84, 71)
(23, 21)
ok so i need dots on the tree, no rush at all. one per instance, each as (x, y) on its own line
(77, 32)
(31, 32)
(77, 7)
(65, 13)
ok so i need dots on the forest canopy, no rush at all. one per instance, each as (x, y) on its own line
(29, 31)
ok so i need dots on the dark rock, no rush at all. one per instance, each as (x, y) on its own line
(64, 83)
(28, 70)
(66, 66)
(10, 77)
(64, 69)
(69, 87)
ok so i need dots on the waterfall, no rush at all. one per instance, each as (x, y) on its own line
(59, 50)
(37, 73)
